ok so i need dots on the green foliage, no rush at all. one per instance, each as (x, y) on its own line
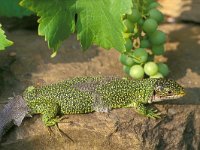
(129, 26)
(11, 8)
(3, 41)
(98, 22)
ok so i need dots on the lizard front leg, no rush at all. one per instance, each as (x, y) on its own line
(144, 110)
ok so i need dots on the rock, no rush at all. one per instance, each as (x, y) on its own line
(121, 129)
(186, 10)
(172, 111)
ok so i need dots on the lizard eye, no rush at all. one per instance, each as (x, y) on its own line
(169, 92)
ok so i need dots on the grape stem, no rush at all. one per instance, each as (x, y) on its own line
(132, 56)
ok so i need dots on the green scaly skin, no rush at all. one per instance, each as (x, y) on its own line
(101, 94)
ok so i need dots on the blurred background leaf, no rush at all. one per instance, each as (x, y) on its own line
(11, 8)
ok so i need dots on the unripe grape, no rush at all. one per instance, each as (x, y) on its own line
(144, 43)
(157, 75)
(156, 15)
(158, 49)
(150, 68)
(128, 26)
(141, 55)
(125, 60)
(150, 26)
(135, 16)
(153, 5)
(136, 72)
(126, 69)
(163, 69)
(128, 44)
(150, 1)
(157, 38)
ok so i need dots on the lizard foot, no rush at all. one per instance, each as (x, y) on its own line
(152, 113)
(146, 111)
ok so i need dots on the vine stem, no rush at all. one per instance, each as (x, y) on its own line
(132, 56)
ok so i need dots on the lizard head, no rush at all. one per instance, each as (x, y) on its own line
(166, 89)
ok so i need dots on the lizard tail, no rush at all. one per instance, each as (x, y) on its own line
(13, 113)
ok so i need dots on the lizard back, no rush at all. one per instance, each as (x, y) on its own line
(73, 96)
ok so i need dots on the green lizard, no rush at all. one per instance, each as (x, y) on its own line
(85, 95)
(101, 94)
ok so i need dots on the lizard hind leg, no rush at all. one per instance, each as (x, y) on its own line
(49, 113)
(51, 121)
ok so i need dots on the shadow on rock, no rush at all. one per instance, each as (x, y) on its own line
(28, 44)
(30, 54)
(186, 55)
(189, 133)
(190, 11)
(9, 84)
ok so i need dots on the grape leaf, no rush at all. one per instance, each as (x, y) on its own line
(3, 41)
(98, 22)
(11, 8)
(56, 21)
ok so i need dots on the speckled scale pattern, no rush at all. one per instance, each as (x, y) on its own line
(87, 94)
(166, 85)
(72, 96)
(121, 93)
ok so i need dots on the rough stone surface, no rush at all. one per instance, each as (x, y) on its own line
(28, 62)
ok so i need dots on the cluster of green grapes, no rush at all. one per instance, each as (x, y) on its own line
(144, 41)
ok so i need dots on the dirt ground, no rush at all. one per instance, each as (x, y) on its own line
(28, 62)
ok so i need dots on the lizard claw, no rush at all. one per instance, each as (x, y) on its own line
(61, 133)
(153, 113)
(63, 118)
